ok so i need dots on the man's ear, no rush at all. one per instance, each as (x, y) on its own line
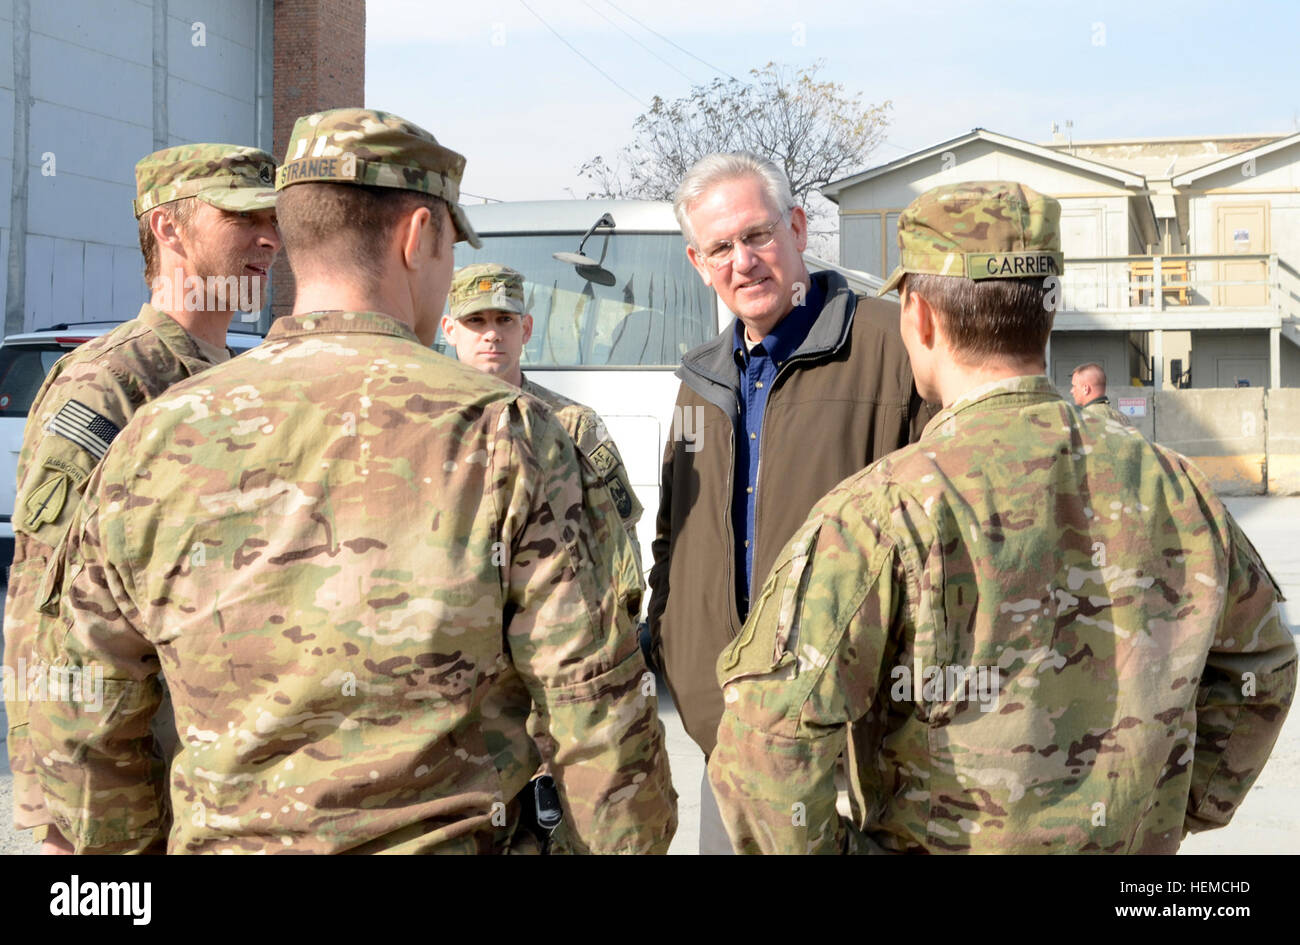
(165, 230)
(697, 260)
(413, 237)
(799, 224)
(526, 321)
(449, 329)
(920, 316)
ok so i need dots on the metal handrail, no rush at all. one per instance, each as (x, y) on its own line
(1280, 280)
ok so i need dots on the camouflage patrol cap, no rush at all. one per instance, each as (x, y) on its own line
(980, 230)
(485, 286)
(228, 176)
(379, 149)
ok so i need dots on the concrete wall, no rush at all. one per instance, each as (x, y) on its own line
(1223, 431)
(110, 81)
(1284, 442)
(1246, 441)
(1146, 414)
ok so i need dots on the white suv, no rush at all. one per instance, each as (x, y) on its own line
(24, 362)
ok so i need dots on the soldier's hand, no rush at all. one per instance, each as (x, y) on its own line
(54, 844)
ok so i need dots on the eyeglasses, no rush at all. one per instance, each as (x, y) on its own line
(719, 254)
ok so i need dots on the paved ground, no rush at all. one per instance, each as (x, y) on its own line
(1268, 822)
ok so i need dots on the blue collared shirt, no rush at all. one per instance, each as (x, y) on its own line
(757, 371)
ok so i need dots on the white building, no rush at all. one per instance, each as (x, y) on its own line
(1213, 222)
(93, 86)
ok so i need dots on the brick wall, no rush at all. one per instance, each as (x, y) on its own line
(320, 62)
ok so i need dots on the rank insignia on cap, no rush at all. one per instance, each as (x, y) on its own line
(92, 431)
(485, 285)
(46, 501)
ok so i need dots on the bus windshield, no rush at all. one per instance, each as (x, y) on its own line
(654, 311)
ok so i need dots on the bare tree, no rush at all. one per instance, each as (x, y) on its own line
(815, 130)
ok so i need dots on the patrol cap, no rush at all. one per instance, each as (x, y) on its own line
(485, 286)
(229, 176)
(378, 149)
(979, 230)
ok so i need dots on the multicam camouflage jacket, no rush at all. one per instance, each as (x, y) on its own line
(1102, 407)
(88, 396)
(592, 439)
(359, 566)
(1031, 631)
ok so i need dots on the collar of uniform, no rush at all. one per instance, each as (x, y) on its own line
(1022, 389)
(532, 387)
(368, 323)
(1103, 399)
(174, 336)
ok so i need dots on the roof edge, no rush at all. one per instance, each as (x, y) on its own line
(1232, 160)
(1127, 178)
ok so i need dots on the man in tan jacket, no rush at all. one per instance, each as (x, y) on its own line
(810, 378)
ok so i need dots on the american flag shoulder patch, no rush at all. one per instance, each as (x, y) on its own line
(92, 431)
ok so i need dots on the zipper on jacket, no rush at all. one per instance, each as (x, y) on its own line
(732, 629)
(758, 473)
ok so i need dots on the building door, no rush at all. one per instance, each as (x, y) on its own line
(1242, 228)
(1236, 372)
(1081, 237)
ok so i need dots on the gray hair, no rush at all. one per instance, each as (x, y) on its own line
(715, 168)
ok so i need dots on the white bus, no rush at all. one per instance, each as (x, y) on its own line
(613, 315)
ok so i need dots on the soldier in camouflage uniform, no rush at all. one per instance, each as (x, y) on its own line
(489, 325)
(1088, 388)
(1031, 631)
(204, 210)
(358, 565)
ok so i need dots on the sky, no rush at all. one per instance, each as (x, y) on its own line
(495, 80)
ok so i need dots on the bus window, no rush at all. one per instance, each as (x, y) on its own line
(655, 311)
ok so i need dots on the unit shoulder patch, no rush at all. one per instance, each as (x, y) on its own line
(622, 501)
(602, 457)
(46, 501)
(77, 474)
